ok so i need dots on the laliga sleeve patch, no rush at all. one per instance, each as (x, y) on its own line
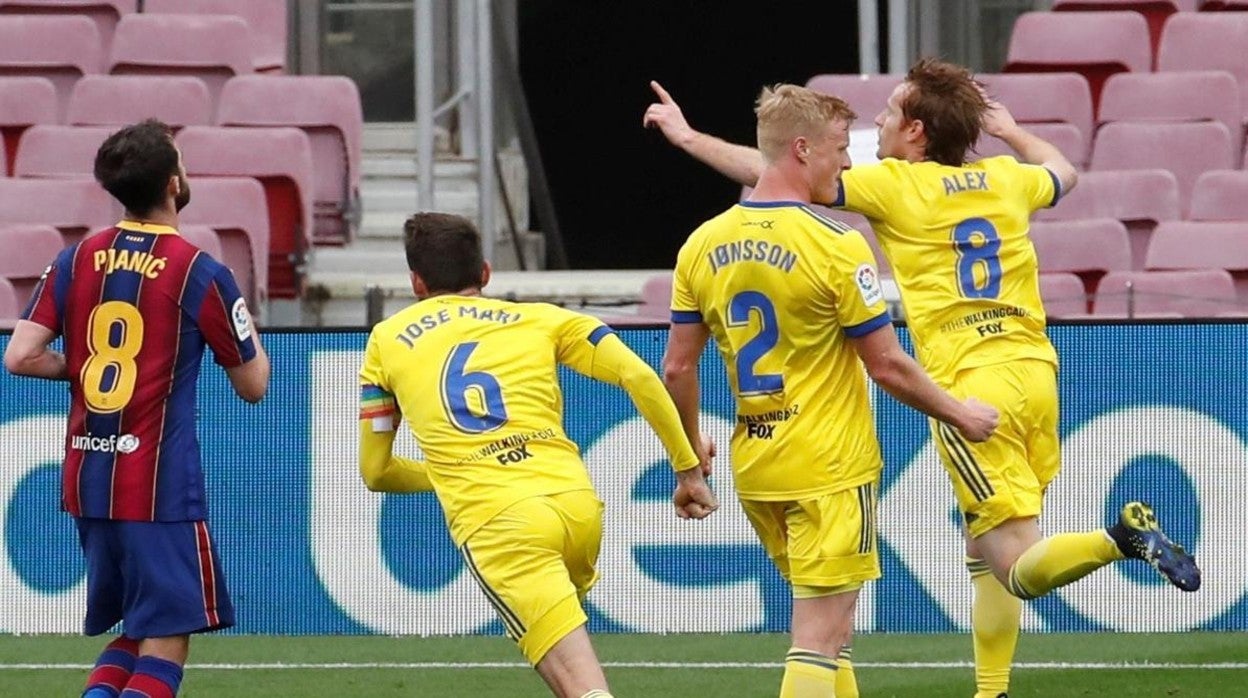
(868, 282)
(242, 320)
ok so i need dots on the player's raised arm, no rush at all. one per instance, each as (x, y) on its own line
(740, 163)
(1031, 149)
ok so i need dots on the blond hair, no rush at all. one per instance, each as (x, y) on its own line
(788, 111)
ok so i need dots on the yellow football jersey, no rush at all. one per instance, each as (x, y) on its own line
(957, 239)
(476, 380)
(780, 287)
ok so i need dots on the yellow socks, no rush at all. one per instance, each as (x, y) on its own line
(808, 675)
(846, 682)
(1059, 560)
(994, 628)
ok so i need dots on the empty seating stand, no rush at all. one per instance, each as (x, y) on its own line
(1208, 41)
(267, 20)
(28, 250)
(1186, 149)
(61, 48)
(1155, 12)
(1089, 248)
(74, 207)
(1200, 293)
(1063, 294)
(59, 151)
(105, 13)
(24, 102)
(1209, 95)
(119, 100)
(1221, 195)
(1202, 245)
(212, 48)
(328, 109)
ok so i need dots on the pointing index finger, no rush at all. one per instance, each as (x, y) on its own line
(664, 97)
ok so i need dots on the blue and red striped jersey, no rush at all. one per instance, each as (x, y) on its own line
(136, 305)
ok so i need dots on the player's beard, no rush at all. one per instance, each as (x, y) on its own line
(184, 194)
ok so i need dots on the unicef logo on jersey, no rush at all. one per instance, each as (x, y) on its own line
(126, 443)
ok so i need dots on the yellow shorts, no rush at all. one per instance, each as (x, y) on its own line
(535, 562)
(825, 542)
(1004, 477)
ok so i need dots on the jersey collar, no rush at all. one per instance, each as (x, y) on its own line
(153, 228)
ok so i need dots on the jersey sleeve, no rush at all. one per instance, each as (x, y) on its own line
(1038, 185)
(869, 189)
(684, 305)
(47, 302)
(855, 284)
(593, 349)
(226, 322)
(377, 404)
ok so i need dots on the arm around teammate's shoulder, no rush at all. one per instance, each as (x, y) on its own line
(898, 373)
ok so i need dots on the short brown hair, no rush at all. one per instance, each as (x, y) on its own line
(947, 100)
(787, 111)
(444, 250)
(135, 164)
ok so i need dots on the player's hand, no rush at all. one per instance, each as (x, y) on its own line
(693, 496)
(666, 116)
(998, 120)
(706, 453)
(980, 421)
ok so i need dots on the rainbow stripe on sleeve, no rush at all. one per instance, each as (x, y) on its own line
(379, 407)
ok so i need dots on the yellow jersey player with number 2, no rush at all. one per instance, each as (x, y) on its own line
(476, 380)
(956, 234)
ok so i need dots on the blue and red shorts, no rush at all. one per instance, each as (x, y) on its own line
(163, 578)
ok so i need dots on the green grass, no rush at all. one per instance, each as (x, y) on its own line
(652, 682)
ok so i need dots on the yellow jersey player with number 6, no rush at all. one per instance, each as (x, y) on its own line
(476, 380)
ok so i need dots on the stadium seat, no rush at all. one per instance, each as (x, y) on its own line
(1064, 294)
(328, 109)
(1045, 98)
(24, 102)
(1186, 149)
(1155, 12)
(1139, 198)
(1220, 195)
(281, 159)
(73, 206)
(1090, 248)
(266, 19)
(1223, 5)
(1208, 95)
(866, 94)
(1094, 44)
(211, 48)
(1199, 293)
(58, 151)
(28, 250)
(59, 48)
(204, 238)
(1208, 41)
(119, 100)
(1202, 245)
(10, 309)
(1065, 137)
(235, 208)
(105, 13)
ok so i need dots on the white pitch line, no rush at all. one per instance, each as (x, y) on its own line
(1131, 666)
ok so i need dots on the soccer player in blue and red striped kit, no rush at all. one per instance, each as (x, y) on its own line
(136, 305)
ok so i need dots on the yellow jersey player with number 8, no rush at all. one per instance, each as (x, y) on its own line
(476, 380)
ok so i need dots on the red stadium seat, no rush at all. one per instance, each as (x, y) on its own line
(204, 238)
(1201, 293)
(281, 159)
(59, 48)
(24, 102)
(1208, 41)
(267, 20)
(28, 250)
(328, 109)
(235, 208)
(120, 100)
(1089, 248)
(59, 151)
(1155, 12)
(10, 309)
(105, 13)
(866, 94)
(1094, 44)
(1063, 294)
(1045, 98)
(75, 207)
(1139, 198)
(211, 48)
(1224, 5)
(1064, 137)
(1196, 245)
(1210, 95)
(1186, 149)
(1220, 195)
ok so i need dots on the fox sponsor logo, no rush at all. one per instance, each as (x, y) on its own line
(760, 431)
(125, 443)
